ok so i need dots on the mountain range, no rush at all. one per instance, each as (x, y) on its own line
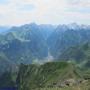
(37, 44)
(31, 42)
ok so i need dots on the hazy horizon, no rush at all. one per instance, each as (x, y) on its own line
(19, 12)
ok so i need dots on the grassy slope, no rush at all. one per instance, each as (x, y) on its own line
(79, 54)
(36, 76)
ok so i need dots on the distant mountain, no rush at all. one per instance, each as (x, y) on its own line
(6, 64)
(24, 44)
(79, 54)
(32, 43)
(46, 30)
(64, 37)
(4, 29)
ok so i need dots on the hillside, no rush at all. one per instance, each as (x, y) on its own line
(51, 74)
(79, 54)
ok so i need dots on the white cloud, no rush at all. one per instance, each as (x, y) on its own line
(44, 11)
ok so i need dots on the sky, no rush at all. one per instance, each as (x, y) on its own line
(18, 12)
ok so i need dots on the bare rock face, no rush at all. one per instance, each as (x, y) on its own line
(67, 83)
(70, 82)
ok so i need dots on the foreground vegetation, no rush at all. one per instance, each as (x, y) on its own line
(52, 76)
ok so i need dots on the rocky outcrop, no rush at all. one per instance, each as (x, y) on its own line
(67, 83)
